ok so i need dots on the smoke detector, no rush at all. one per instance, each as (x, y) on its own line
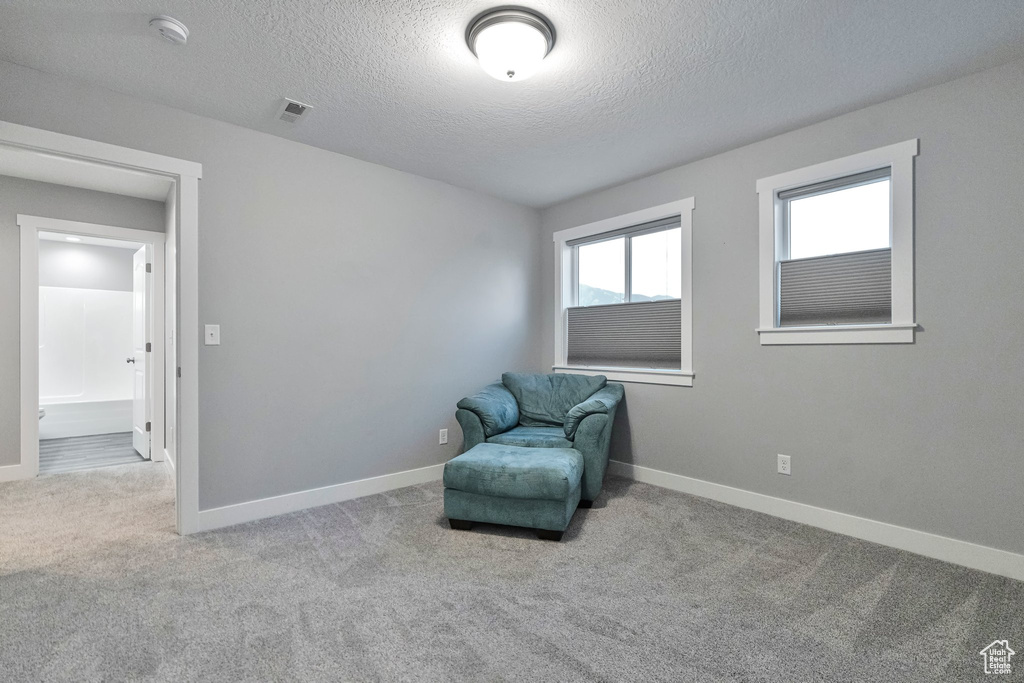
(291, 110)
(170, 29)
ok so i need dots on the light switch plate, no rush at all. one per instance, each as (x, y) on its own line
(212, 336)
(442, 437)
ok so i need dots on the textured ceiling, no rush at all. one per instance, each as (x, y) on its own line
(632, 87)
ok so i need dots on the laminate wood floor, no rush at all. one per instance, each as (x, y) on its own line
(86, 452)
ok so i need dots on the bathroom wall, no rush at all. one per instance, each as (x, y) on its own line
(84, 266)
(85, 337)
(18, 195)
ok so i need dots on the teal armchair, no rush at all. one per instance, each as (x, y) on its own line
(547, 411)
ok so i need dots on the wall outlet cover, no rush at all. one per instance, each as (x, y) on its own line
(784, 465)
(442, 437)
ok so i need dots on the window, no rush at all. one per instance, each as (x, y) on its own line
(642, 264)
(835, 264)
(624, 298)
(602, 272)
(847, 215)
(837, 251)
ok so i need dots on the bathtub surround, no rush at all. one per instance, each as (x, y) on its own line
(926, 435)
(85, 335)
(18, 195)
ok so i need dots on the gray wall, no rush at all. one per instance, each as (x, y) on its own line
(52, 201)
(357, 303)
(85, 266)
(928, 435)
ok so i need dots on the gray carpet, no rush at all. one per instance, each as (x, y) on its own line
(76, 453)
(649, 585)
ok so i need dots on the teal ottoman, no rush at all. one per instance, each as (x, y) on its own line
(537, 488)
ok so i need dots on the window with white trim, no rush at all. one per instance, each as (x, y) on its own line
(624, 298)
(837, 251)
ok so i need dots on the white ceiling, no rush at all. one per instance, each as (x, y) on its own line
(632, 86)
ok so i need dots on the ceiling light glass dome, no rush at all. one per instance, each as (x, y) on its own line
(510, 43)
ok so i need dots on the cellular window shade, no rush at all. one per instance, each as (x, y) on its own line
(652, 226)
(843, 183)
(645, 334)
(840, 289)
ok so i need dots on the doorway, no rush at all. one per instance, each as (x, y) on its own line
(98, 346)
(45, 156)
(96, 295)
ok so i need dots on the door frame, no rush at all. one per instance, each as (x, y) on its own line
(82, 157)
(31, 226)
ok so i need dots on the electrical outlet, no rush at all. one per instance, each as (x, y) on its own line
(784, 467)
(442, 437)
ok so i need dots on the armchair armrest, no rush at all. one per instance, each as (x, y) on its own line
(472, 429)
(604, 401)
(495, 406)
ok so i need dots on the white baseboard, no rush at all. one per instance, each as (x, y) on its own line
(15, 472)
(229, 515)
(920, 542)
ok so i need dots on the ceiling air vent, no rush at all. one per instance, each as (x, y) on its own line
(291, 111)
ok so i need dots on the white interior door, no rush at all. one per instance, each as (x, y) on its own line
(140, 345)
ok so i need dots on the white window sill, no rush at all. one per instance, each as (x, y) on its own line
(636, 375)
(839, 334)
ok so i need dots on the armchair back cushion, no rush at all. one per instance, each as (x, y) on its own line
(545, 400)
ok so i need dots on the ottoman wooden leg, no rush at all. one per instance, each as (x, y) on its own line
(461, 524)
(548, 535)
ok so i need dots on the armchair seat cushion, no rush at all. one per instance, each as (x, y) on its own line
(491, 469)
(533, 437)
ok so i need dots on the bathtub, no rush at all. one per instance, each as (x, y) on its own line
(85, 418)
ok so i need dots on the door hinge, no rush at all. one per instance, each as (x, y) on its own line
(149, 267)
(149, 347)
(179, 372)
(149, 426)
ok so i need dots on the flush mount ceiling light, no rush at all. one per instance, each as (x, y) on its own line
(510, 43)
